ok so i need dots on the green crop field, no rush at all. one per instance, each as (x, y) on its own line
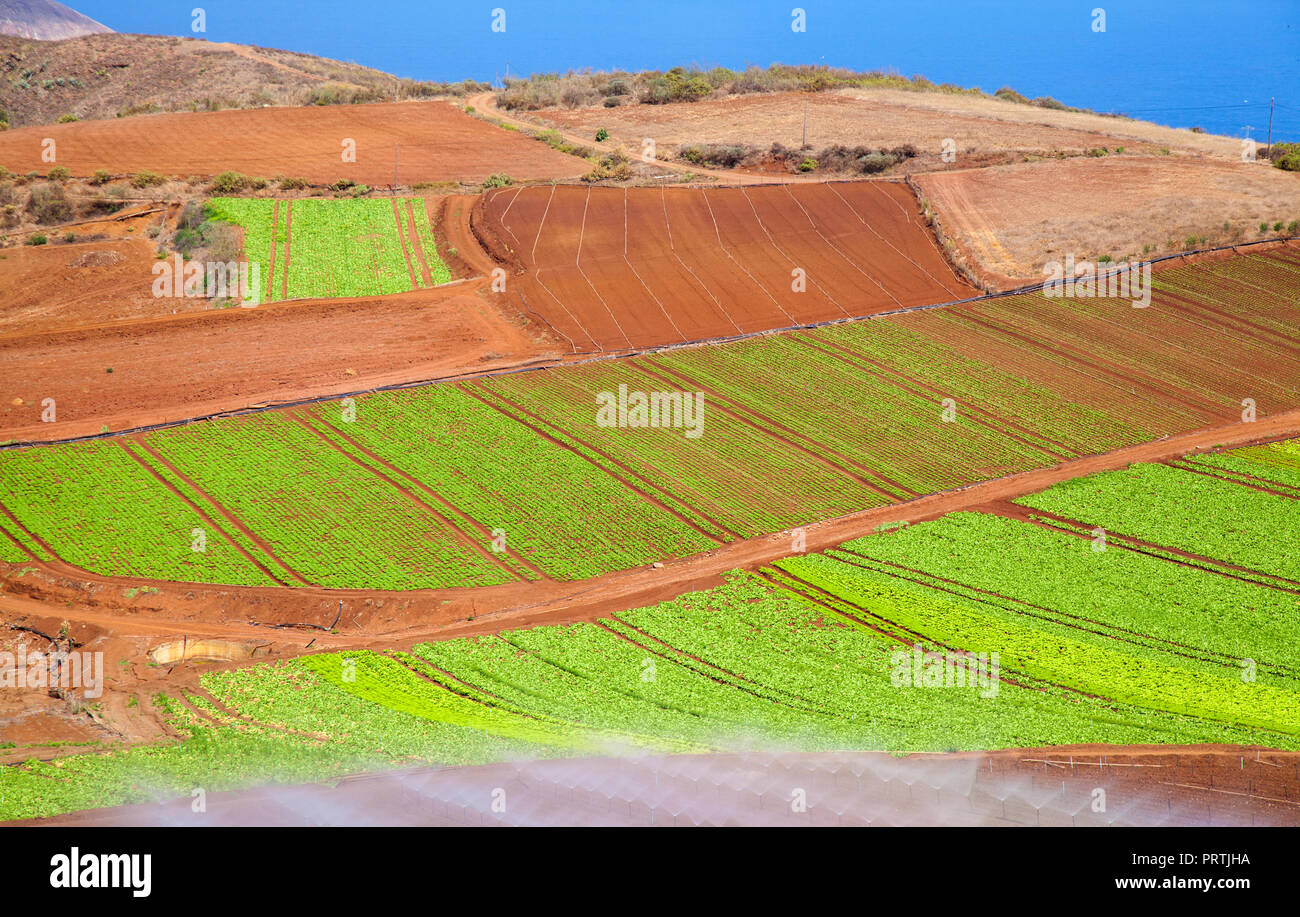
(336, 248)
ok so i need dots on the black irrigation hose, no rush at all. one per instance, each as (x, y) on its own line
(596, 357)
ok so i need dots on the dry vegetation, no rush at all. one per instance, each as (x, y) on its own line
(109, 76)
(1012, 219)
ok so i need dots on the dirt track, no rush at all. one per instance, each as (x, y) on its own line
(375, 618)
(615, 269)
(433, 142)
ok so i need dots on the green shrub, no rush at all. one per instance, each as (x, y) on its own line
(231, 183)
(292, 184)
(342, 184)
(58, 173)
(67, 119)
(602, 135)
(808, 165)
(497, 180)
(101, 177)
(37, 239)
(145, 179)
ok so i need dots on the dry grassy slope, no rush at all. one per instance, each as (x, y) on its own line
(116, 72)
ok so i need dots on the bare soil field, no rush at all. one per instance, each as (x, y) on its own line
(618, 269)
(882, 118)
(1012, 219)
(49, 287)
(434, 142)
(134, 373)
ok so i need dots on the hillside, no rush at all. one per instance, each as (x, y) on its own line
(112, 75)
(45, 20)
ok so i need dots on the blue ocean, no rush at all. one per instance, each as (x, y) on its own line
(1180, 62)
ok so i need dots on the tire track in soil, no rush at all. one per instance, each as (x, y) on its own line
(626, 478)
(1094, 364)
(451, 508)
(395, 483)
(234, 520)
(770, 428)
(207, 517)
(401, 240)
(288, 239)
(414, 233)
(270, 271)
(835, 248)
(1220, 474)
(985, 417)
(744, 685)
(1079, 529)
(1054, 616)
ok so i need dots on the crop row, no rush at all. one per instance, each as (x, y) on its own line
(721, 669)
(1180, 509)
(570, 518)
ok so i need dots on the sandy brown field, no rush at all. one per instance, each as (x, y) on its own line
(883, 117)
(1011, 219)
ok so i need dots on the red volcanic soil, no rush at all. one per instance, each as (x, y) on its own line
(618, 269)
(434, 142)
(134, 373)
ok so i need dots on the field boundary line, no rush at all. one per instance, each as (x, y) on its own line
(401, 240)
(231, 518)
(590, 357)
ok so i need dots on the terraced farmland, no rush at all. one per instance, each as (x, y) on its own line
(1115, 646)
(318, 248)
(516, 477)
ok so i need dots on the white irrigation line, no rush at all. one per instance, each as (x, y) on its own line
(577, 262)
(637, 274)
(900, 252)
(597, 357)
(836, 248)
(718, 232)
(664, 197)
(783, 253)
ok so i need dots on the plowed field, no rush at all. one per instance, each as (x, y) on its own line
(616, 269)
(432, 141)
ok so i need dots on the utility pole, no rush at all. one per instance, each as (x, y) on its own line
(803, 144)
(1269, 148)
